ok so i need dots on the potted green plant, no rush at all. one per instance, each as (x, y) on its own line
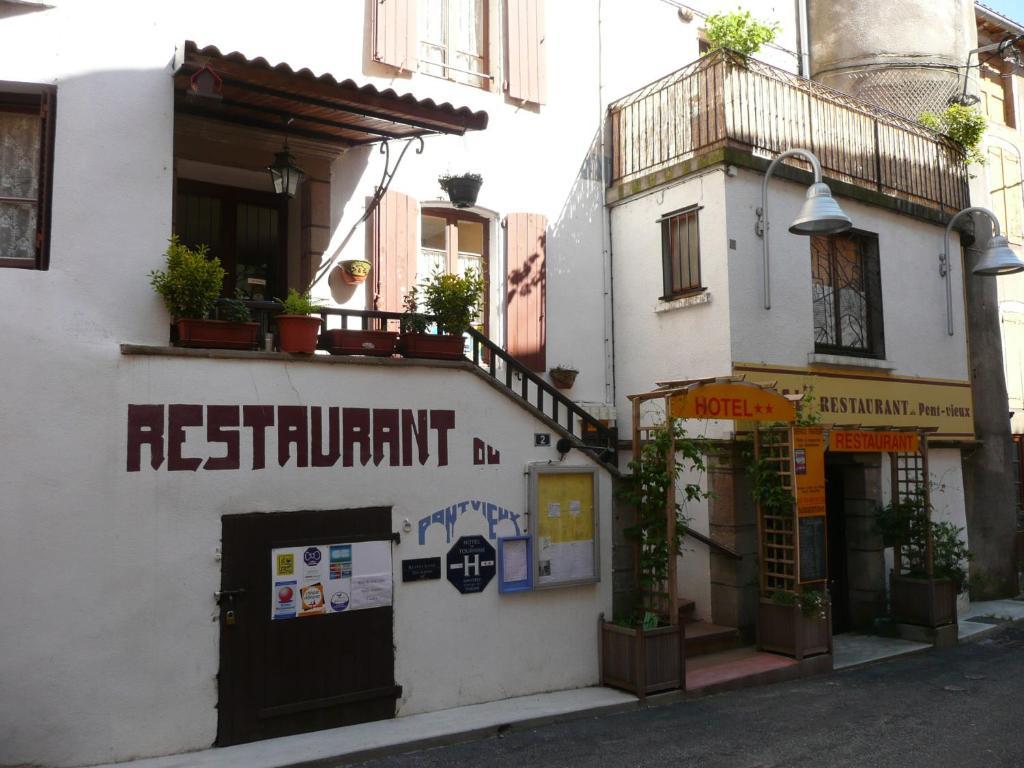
(795, 622)
(563, 376)
(190, 286)
(296, 329)
(462, 188)
(451, 302)
(644, 652)
(354, 271)
(917, 596)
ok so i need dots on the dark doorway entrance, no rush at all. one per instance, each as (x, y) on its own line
(300, 674)
(245, 229)
(838, 575)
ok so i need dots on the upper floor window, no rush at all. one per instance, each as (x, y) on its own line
(996, 96)
(680, 253)
(26, 166)
(453, 40)
(847, 289)
(1004, 176)
(452, 242)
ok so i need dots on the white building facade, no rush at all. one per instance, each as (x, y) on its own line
(140, 478)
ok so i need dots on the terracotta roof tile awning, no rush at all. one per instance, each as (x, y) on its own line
(255, 93)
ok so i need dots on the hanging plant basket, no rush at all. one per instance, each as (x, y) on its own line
(355, 271)
(563, 378)
(462, 190)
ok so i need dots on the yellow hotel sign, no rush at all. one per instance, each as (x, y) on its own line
(875, 399)
(738, 401)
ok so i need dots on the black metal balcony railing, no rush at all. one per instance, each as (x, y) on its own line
(505, 371)
(726, 100)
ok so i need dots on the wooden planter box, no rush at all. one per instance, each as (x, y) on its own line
(642, 661)
(923, 602)
(340, 341)
(785, 629)
(217, 334)
(431, 346)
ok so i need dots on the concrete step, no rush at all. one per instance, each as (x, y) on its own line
(687, 607)
(703, 638)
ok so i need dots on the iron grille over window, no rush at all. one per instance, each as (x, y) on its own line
(680, 252)
(847, 290)
(26, 162)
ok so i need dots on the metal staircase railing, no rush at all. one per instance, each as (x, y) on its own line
(579, 426)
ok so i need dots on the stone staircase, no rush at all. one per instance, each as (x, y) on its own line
(703, 637)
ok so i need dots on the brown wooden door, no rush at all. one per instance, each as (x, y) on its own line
(299, 674)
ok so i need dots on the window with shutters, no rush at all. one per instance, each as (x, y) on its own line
(452, 242)
(847, 291)
(996, 97)
(453, 40)
(680, 253)
(26, 167)
(1004, 175)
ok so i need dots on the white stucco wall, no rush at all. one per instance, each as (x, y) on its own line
(913, 294)
(114, 572)
(123, 636)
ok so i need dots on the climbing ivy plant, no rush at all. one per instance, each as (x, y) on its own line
(647, 490)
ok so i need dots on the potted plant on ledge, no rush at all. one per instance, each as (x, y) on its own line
(297, 329)
(645, 653)
(453, 301)
(190, 286)
(462, 189)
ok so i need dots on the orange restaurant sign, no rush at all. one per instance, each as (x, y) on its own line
(865, 441)
(732, 401)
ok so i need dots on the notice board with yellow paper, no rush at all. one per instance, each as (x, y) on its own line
(563, 507)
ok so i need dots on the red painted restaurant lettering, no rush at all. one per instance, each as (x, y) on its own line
(873, 442)
(305, 435)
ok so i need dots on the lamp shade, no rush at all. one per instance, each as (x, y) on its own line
(285, 174)
(998, 259)
(820, 213)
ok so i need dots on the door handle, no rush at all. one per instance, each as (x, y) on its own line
(228, 593)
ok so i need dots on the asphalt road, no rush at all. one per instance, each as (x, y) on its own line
(962, 706)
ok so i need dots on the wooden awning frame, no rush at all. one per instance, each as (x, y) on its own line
(256, 94)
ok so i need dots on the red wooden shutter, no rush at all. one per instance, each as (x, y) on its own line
(527, 79)
(393, 245)
(395, 37)
(525, 237)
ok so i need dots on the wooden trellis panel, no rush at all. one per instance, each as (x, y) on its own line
(909, 472)
(777, 528)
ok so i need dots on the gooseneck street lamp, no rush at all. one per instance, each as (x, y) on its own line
(998, 258)
(819, 215)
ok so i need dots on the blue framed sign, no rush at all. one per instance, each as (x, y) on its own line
(515, 564)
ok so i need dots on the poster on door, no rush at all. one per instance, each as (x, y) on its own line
(322, 579)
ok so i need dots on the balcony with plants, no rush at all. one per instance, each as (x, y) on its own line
(728, 107)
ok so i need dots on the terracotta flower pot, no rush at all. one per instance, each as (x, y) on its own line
(431, 346)
(342, 341)
(217, 334)
(353, 272)
(297, 333)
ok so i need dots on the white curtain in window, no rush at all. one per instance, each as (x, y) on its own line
(20, 137)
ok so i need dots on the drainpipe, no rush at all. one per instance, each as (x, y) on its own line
(803, 47)
(606, 227)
